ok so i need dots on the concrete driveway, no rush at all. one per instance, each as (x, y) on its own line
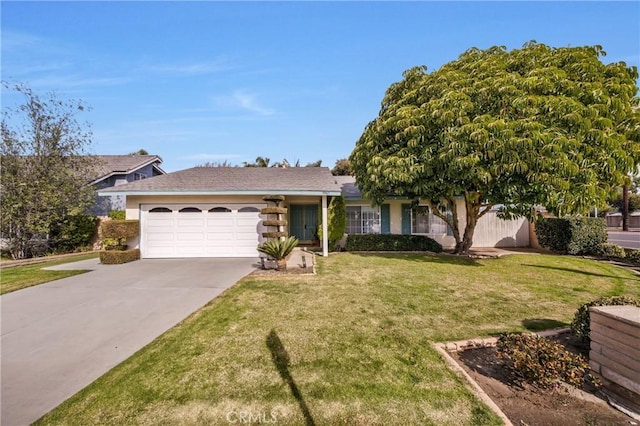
(59, 337)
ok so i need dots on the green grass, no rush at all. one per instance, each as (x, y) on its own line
(19, 277)
(351, 345)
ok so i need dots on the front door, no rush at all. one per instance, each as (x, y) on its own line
(303, 221)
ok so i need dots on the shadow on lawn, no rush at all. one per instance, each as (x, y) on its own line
(540, 324)
(443, 258)
(280, 359)
(578, 271)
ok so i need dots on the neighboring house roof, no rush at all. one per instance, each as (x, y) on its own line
(235, 180)
(349, 188)
(109, 165)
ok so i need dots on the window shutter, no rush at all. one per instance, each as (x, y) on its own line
(406, 219)
(385, 218)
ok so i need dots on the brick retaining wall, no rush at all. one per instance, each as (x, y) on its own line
(615, 354)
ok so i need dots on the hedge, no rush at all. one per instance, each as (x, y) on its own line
(73, 232)
(572, 235)
(117, 215)
(391, 242)
(116, 257)
(120, 228)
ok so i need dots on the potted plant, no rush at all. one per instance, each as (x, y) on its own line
(278, 250)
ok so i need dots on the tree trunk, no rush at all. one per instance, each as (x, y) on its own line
(463, 246)
(625, 208)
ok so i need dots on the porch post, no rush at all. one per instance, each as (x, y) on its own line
(325, 232)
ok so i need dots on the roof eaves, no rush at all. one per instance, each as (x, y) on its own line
(226, 192)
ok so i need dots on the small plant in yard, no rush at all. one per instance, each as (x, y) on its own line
(611, 251)
(633, 256)
(581, 319)
(542, 363)
(279, 250)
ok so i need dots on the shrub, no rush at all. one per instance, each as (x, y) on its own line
(113, 257)
(633, 256)
(540, 362)
(572, 235)
(581, 319)
(120, 228)
(611, 251)
(337, 219)
(391, 242)
(117, 215)
(74, 232)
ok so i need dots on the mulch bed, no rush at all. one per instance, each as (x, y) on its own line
(526, 405)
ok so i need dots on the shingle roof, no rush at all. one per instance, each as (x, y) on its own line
(236, 179)
(349, 187)
(110, 164)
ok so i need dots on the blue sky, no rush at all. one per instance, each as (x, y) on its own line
(214, 81)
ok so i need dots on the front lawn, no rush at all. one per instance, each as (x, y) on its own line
(348, 346)
(19, 277)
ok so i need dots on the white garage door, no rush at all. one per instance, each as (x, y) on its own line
(200, 230)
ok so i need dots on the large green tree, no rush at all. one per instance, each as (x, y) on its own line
(537, 125)
(44, 171)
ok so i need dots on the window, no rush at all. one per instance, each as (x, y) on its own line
(190, 210)
(139, 176)
(424, 222)
(249, 210)
(219, 210)
(363, 220)
(160, 210)
(420, 220)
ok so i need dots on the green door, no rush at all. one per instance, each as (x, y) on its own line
(303, 221)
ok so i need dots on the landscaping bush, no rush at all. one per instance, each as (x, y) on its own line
(572, 235)
(120, 228)
(117, 215)
(540, 362)
(611, 251)
(116, 257)
(633, 256)
(581, 320)
(74, 232)
(337, 219)
(391, 242)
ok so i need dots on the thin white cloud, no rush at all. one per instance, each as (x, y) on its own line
(243, 100)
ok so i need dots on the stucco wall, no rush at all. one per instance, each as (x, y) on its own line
(490, 230)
